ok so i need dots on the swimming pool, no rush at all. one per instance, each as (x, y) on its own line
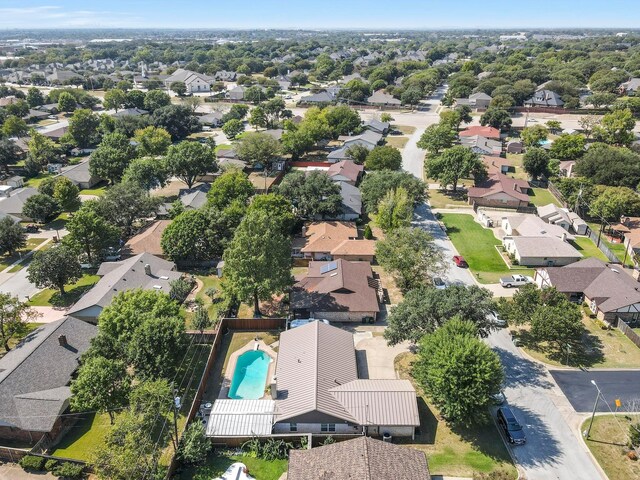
(250, 375)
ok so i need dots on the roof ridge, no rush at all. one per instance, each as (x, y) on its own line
(316, 348)
(366, 459)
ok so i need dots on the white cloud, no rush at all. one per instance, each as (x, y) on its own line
(52, 16)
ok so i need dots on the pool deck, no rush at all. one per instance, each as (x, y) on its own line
(233, 359)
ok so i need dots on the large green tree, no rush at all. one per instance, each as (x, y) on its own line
(114, 99)
(195, 235)
(612, 166)
(91, 233)
(178, 120)
(147, 172)
(568, 146)
(613, 202)
(313, 195)
(453, 164)
(437, 137)
(83, 128)
(12, 236)
(190, 160)
(496, 118)
(536, 162)
(54, 268)
(376, 185)
(124, 203)
(383, 158)
(258, 148)
(152, 141)
(616, 128)
(155, 99)
(395, 210)
(112, 157)
(10, 153)
(40, 208)
(15, 317)
(232, 186)
(532, 136)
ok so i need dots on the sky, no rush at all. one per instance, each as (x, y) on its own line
(319, 14)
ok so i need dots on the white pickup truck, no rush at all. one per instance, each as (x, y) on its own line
(515, 281)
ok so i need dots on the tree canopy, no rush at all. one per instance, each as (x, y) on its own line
(313, 195)
(453, 164)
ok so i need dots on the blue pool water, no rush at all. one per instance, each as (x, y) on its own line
(250, 375)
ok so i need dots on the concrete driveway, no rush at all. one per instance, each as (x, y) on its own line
(12, 471)
(621, 384)
(375, 357)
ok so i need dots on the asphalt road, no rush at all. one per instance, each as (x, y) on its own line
(620, 384)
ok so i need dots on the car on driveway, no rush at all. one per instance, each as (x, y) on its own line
(512, 429)
(439, 283)
(460, 261)
(515, 281)
(494, 319)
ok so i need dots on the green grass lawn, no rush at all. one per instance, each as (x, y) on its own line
(446, 199)
(224, 146)
(7, 260)
(607, 442)
(50, 297)
(84, 438)
(98, 190)
(477, 245)
(587, 248)
(217, 463)
(542, 196)
(208, 281)
(618, 249)
(34, 182)
(456, 452)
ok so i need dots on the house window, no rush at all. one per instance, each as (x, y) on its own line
(293, 427)
(327, 427)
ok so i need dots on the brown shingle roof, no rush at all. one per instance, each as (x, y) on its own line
(346, 168)
(355, 247)
(148, 240)
(325, 236)
(361, 458)
(487, 132)
(499, 183)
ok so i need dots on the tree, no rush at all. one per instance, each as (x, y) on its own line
(14, 317)
(437, 137)
(102, 385)
(66, 102)
(124, 203)
(114, 99)
(496, 118)
(148, 173)
(10, 153)
(358, 153)
(554, 126)
(536, 162)
(614, 202)
(534, 135)
(526, 301)
(12, 236)
(297, 142)
(14, 127)
(152, 141)
(258, 259)
(66, 194)
(425, 309)
(313, 195)
(395, 210)
(258, 118)
(613, 166)
(112, 157)
(232, 186)
(258, 148)
(40, 208)
(190, 160)
(54, 268)
(134, 99)
(83, 128)
(568, 146)
(237, 111)
(194, 444)
(201, 319)
(616, 128)
(233, 128)
(411, 256)
(192, 102)
(42, 150)
(274, 110)
(194, 235)
(384, 158)
(179, 88)
(452, 118)
(455, 163)
(588, 123)
(342, 120)
(559, 326)
(411, 96)
(35, 98)
(278, 207)
(178, 120)
(376, 185)
(90, 233)
(157, 346)
(459, 372)
(155, 99)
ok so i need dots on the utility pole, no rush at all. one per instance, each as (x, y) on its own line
(593, 413)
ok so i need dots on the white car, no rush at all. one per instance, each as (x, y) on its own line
(494, 319)
(439, 283)
(515, 281)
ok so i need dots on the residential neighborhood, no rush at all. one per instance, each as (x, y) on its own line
(313, 252)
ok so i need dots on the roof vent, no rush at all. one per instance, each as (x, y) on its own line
(147, 269)
(614, 270)
(164, 277)
(158, 287)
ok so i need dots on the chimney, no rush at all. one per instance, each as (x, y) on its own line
(564, 237)
(274, 389)
(147, 269)
(624, 220)
(62, 340)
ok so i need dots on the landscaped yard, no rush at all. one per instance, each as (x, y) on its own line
(587, 248)
(208, 281)
(607, 442)
(34, 182)
(8, 260)
(98, 190)
(459, 452)
(84, 438)
(447, 199)
(49, 297)
(477, 245)
(542, 196)
(618, 249)
(217, 463)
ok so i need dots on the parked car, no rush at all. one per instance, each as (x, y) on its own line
(460, 261)
(32, 228)
(495, 319)
(439, 283)
(515, 281)
(512, 429)
(498, 398)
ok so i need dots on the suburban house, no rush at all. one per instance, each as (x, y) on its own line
(514, 146)
(194, 81)
(148, 240)
(482, 145)
(80, 175)
(544, 98)
(326, 96)
(630, 87)
(59, 77)
(496, 164)
(236, 93)
(35, 377)
(317, 390)
(383, 99)
(338, 290)
(351, 202)
(213, 119)
(129, 112)
(194, 198)
(526, 225)
(224, 76)
(544, 250)
(487, 132)
(628, 229)
(607, 289)
(500, 191)
(346, 171)
(14, 202)
(563, 217)
(479, 100)
(377, 126)
(367, 138)
(143, 271)
(364, 458)
(333, 240)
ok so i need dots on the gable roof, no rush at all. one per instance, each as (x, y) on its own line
(196, 197)
(495, 164)
(545, 98)
(531, 226)
(376, 125)
(325, 236)
(35, 375)
(368, 136)
(149, 239)
(481, 144)
(362, 458)
(78, 173)
(351, 199)
(499, 183)
(381, 98)
(126, 275)
(347, 169)
(13, 204)
(487, 132)
(544, 246)
(355, 247)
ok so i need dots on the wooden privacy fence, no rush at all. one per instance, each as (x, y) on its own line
(628, 331)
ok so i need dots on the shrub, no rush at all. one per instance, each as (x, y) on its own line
(634, 434)
(180, 289)
(50, 465)
(368, 234)
(31, 462)
(69, 470)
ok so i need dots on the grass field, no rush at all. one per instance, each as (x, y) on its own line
(34, 182)
(618, 249)
(442, 199)
(607, 442)
(477, 245)
(49, 297)
(587, 248)
(542, 196)
(397, 141)
(405, 129)
(456, 452)
(217, 463)
(84, 438)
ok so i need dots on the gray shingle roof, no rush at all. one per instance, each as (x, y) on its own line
(35, 375)
(14, 204)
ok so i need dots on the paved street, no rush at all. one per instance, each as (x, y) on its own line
(577, 386)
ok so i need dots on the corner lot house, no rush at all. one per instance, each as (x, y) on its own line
(482, 145)
(141, 271)
(345, 171)
(317, 389)
(381, 98)
(34, 380)
(479, 100)
(371, 458)
(339, 291)
(607, 289)
(500, 191)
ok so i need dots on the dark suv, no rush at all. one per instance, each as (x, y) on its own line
(512, 429)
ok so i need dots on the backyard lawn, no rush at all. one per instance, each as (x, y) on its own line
(217, 463)
(84, 438)
(477, 245)
(50, 297)
(98, 190)
(34, 182)
(618, 249)
(460, 452)
(607, 442)
(542, 196)
(588, 249)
